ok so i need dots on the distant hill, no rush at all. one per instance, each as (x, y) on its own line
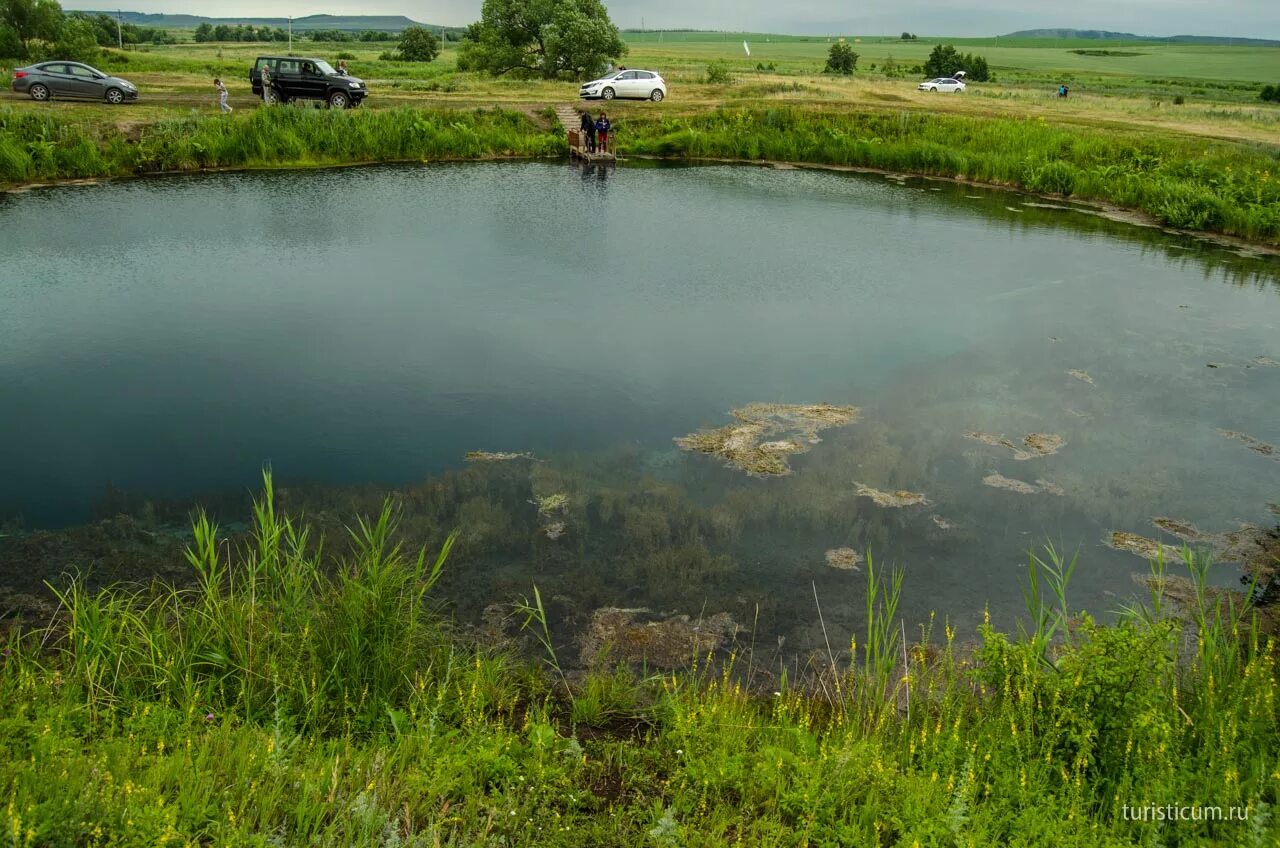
(1105, 35)
(354, 23)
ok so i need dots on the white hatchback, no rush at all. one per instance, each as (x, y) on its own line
(635, 84)
(941, 84)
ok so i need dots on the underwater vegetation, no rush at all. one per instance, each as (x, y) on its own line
(891, 500)
(643, 638)
(1255, 445)
(998, 481)
(1033, 444)
(495, 456)
(1082, 376)
(742, 444)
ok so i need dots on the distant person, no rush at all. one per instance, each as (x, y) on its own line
(603, 128)
(1066, 91)
(342, 67)
(1062, 91)
(588, 127)
(268, 95)
(222, 95)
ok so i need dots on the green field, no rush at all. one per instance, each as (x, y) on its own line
(1022, 58)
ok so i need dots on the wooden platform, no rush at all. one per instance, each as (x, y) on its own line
(570, 120)
(578, 149)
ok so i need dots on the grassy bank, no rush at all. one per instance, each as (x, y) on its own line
(1218, 186)
(288, 699)
(38, 147)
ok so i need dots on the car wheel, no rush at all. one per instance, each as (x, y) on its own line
(934, 89)
(115, 96)
(607, 94)
(657, 95)
(39, 92)
(339, 100)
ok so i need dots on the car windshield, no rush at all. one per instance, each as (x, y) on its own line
(324, 67)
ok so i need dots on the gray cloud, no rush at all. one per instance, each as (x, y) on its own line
(1253, 18)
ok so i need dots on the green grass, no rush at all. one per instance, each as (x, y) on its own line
(1040, 58)
(1224, 187)
(288, 698)
(36, 146)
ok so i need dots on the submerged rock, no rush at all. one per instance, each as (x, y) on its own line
(1265, 361)
(639, 636)
(495, 456)
(554, 530)
(891, 500)
(1033, 445)
(942, 523)
(845, 559)
(1081, 375)
(748, 443)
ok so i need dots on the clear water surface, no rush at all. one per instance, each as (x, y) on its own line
(169, 337)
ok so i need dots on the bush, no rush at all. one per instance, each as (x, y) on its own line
(1271, 93)
(1178, 100)
(718, 73)
(347, 56)
(841, 59)
(418, 44)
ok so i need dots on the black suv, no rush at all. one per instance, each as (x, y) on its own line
(294, 78)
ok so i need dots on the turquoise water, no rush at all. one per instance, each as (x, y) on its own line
(167, 338)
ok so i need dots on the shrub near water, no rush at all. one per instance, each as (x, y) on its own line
(1220, 186)
(296, 699)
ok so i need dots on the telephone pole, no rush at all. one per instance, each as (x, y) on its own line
(119, 32)
(291, 34)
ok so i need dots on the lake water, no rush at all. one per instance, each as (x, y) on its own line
(167, 338)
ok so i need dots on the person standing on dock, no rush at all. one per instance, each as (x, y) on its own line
(588, 127)
(222, 95)
(602, 133)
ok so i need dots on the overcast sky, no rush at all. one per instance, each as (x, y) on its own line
(1253, 18)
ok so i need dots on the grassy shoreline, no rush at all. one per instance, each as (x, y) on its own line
(291, 699)
(1215, 186)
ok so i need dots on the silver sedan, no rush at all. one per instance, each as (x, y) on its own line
(71, 79)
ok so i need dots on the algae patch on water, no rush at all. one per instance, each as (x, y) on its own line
(999, 481)
(845, 559)
(764, 435)
(1034, 445)
(495, 456)
(1121, 540)
(1255, 445)
(891, 500)
(1082, 376)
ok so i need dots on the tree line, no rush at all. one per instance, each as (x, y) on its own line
(39, 29)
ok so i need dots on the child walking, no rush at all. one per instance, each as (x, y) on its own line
(222, 95)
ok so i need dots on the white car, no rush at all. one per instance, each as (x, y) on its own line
(941, 84)
(639, 85)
